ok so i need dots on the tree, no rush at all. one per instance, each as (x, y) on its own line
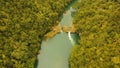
(97, 22)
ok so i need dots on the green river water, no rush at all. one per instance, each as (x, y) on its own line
(55, 52)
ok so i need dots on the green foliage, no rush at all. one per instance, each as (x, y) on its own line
(76, 5)
(22, 26)
(98, 23)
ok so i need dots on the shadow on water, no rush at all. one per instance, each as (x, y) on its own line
(70, 4)
(36, 64)
(60, 18)
(75, 37)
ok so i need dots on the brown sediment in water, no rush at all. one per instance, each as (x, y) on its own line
(65, 28)
(72, 29)
(57, 29)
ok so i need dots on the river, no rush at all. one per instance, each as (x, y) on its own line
(55, 52)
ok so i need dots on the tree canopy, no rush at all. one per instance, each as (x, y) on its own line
(98, 23)
(22, 26)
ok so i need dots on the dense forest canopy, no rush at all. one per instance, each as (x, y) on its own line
(22, 26)
(98, 23)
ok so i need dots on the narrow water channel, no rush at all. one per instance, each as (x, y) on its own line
(55, 52)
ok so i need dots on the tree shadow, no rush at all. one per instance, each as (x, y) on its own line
(36, 64)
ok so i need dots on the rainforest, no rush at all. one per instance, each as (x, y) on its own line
(59, 33)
